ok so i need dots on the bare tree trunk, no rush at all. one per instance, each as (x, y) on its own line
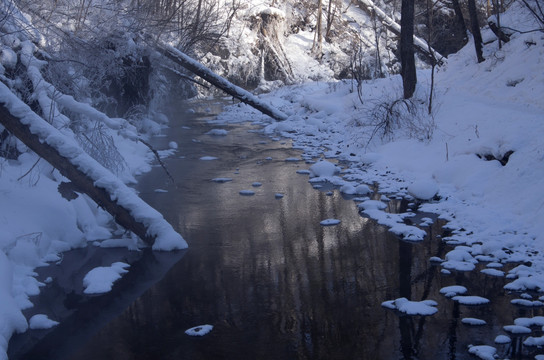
(475, 26)
(430, 30)
(408, 64)
(461, 26)
(330, 20)
(317, 47)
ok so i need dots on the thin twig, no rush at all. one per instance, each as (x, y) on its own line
(157, 156)
(28, 172)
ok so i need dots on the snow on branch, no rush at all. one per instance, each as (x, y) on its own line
(91, 178)
(395, 27)
(48, 97)
(220, 82)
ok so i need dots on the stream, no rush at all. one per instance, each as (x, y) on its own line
(272, 281)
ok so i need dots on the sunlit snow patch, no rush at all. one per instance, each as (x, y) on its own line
(208, 158)
(100, 280)
(41, 321)
(423, 308)
(161, 191)
(200, 330)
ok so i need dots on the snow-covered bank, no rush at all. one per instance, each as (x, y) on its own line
(481, 153)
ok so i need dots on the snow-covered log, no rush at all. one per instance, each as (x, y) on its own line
(420, 44)
(87, 175)
(220, 82)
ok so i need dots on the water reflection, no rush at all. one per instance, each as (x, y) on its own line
(273, 282)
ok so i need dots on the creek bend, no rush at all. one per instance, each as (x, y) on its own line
(272, 281)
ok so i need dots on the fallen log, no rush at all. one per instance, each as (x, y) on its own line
(368, 6)
(86, 174)
(205, 73)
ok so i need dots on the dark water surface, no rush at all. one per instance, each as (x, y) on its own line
(272, 281)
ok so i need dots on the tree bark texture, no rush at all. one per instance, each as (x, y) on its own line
(407, 60)
(81, 181)
(475, 26)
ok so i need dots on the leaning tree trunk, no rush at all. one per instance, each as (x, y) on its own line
(408, 64)
(86, 175)
(475, 26)
(198, 69)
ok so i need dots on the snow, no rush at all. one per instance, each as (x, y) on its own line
(482, 109)
(453, 290)
(100, 280)
(517, 329)
(473, 321)
(41, 321)
(502, 339)
(403, 305)
(217, 132)
(329, 222)
(470, 300)
(493, 272)
(484, 352)
(221, 179)
(200, 330)
(423, 189)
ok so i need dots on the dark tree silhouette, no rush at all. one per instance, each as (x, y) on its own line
(475, 26)
(408, 65)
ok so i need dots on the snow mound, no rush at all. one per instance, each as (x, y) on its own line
(473, 321)
(324, 168)
(484, 352)
(330, 222)
(453, 290)
(423, 308)
(100, 280)
(470, 300)
(217, 132)
(423, 189)
(41, 321)
(200, 330)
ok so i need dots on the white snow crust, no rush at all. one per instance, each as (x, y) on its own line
(199, 330)
(423, 308)
(100, 280)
